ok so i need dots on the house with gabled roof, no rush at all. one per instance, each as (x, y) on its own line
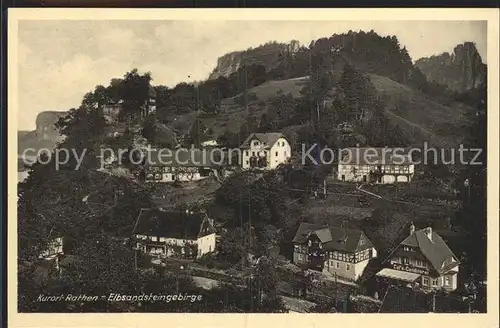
(165, 165)
(422, 259)
(375, 165)
(264, 151)
(174, 233)
(335, 250)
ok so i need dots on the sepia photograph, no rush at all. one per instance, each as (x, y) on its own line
(252, 166)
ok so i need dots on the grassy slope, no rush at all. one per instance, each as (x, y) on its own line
(233, 115)
(423, 119)
(420, 117)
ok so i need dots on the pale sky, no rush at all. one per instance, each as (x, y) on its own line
(60, 61)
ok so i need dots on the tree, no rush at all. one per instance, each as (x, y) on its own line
(197, 133)
(234, 245)
(135, 93)
(148, 129)
(101, 267)
(472, 215)
(259, 203)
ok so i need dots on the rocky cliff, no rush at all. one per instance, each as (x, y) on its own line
(46, 134)
(267, 55)
(45, 125)
(460, 71)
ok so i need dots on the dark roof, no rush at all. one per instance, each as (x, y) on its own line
(375, 156)
(268, 139)
(158, 223)
(436, 251)
(333, 238)
(182, 157)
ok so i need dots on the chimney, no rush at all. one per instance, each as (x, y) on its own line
(428, 232)
(412, 229)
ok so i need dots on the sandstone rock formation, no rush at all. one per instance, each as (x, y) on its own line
(460, 71)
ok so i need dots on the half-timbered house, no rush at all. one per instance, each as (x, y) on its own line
(174, 234)
(375, 165)
(339, 251)
(180, 165)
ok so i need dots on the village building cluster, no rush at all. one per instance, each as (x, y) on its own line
(421, 260)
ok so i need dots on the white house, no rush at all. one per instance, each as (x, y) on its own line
(210, 143)
(53, 249)
(174, 234)
(375, 165)
(265, 151)
(335, 250)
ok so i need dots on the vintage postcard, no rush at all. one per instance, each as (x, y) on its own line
(305, 164)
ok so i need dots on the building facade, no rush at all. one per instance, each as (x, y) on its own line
(375, 165)
(423, 259)
(337, 251)
(111, 112)
(53, 249)
(264, 151)
(174, 234)
(179, 165)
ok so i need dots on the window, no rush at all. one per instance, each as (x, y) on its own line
(347, 266)
(434, 282)
(406, 249)
(426, 281)
(337, 265)
(343, 177)
(253, 153)
(247, 162)
(276, 153)
(300, 257)
(246, 152)
(420, 263)
(406, 260)
(447, 280)
(331, 263)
